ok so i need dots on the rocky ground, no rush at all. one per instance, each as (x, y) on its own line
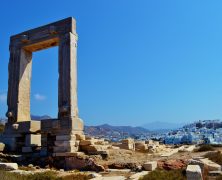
(126, 164)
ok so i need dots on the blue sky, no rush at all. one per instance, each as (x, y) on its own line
(139, 61)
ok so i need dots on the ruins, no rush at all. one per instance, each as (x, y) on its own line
(21, 132)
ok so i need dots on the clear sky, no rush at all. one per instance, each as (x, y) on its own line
(139, 61)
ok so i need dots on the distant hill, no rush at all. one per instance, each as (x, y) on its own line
(35, 117)
(107, 129)
(160, 126)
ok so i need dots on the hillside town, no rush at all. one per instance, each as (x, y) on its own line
(199, 132)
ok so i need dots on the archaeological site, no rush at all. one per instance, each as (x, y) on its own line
(62, 146)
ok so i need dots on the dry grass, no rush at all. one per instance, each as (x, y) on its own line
(48, 175)
(165, 175)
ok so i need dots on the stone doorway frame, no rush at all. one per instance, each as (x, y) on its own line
(62, 34)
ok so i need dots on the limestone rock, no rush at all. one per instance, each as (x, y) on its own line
(65, 143)
(94, 148)
(82, 163)
(193, 172)
(149, 142)
(57, 149)
(196, 162)
(65, 137)
(87, 142)
(2, 147)
(33, 140)
(150, 166)
(80, 137)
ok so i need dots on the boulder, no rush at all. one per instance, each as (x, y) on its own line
(82, 163)
(8, 166)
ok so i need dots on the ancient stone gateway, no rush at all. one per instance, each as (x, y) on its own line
(21, 132)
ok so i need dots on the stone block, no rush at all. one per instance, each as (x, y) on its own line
(193, 172)
(127, 146)
(65, 154)
(212, 166)
(150, 166)
(149, 141)
(65, 143)
(33, 140)
(8, 166)
(82, 163)
(101, 142)
(127, 141)
(141, 146)
(26, 149)
(77, 143)
(2, 147)
(55, 124)
(23, 127)
(115, 147)
(46, 125)
(89, 137)
(65, 137)
(215, 173)
(196, 162)
(87, 142)
(157, 143)
(10, 143)
(94, 148)
(65, 149)
(80, 137)
(43, 152)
